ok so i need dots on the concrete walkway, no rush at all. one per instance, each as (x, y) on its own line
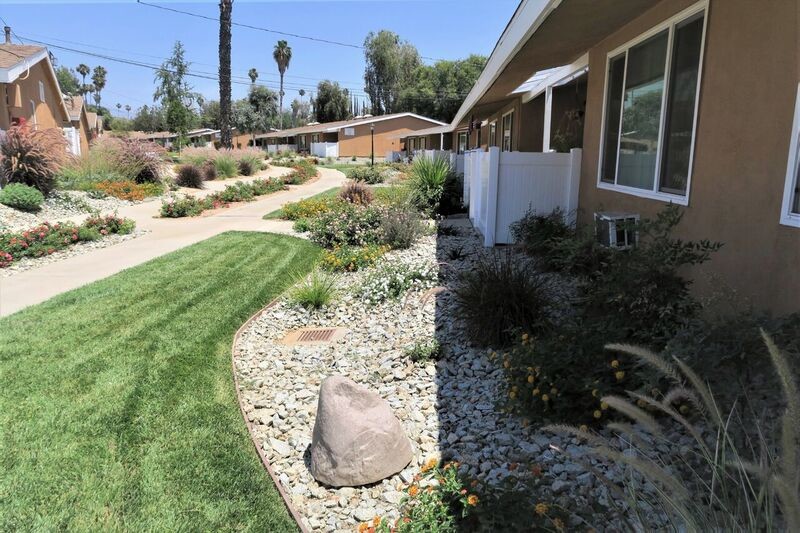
(166, 235)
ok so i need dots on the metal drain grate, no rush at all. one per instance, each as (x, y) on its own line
(314, 335)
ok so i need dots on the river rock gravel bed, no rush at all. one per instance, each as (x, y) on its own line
(60, 205)
(449, 408)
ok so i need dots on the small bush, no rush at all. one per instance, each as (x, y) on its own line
(428, 180)
(401, 227)
(393, 280)
(393, 196)
(423, 351)
(32, 158)
(189, 176)
(315, 291)
(226, 166)
(352, 258)
(349, 224)
(246, 167)
(499, 296)
(536, 234)
(356, 193)
(209, 171)
(367, 174)
(188, 206)
(21, 197)
(128, 190)
(302, 171)
(308, 208)
(89, 234)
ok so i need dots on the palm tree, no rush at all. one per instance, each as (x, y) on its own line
(253, 73)
(128, 110)
(83, 70)
(99, 81)
(225, 11)
(283, 55)
(119, 106)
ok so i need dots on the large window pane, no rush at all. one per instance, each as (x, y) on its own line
(616, 76)
(641, 112)
(681, 105)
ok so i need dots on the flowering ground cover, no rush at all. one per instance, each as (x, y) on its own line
(117, 407)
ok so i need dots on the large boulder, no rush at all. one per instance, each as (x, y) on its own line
(357, 439)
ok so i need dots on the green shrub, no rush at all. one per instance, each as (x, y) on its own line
(535, 233)
(308, 208)
(89, 234)
(302, 171)
(366, 174)
(188, 206)
(21, 197)
(226, 166)
(499, 296)
(392, 280)
(395, 195)
(348, 224)
(427, 182)
(32, 158)
(352, 258)
(423, 351)
(189, 176)
(356, 193)
(315, 291)
(401, 227)
(301, 225)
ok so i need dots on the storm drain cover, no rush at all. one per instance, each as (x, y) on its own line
(314, 335)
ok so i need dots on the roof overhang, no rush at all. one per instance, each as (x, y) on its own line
(372, 120)
(11, 74)
(544, 34)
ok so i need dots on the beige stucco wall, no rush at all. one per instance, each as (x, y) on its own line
(48, 113)
(360, 144)
(748, 89)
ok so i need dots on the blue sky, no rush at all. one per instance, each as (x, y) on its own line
(442, 29)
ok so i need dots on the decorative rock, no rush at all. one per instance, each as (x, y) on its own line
(357, 439)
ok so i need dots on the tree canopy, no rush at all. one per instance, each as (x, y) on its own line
(332, 102)
(256, 112)
(174, 92)
(68, 81)
(390, 66)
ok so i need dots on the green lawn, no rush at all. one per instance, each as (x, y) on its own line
(117, 404)
(278, 213)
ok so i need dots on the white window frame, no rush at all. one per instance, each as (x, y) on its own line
(349, 132)
(510, 131)
(788, 217)
(465, 133)
(493, 133)
(668, 24)
(41, 91)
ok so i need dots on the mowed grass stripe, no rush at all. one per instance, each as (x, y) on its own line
(117, 408)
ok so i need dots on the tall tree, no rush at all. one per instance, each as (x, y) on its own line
(390, 66)
(282, 54)
(209, 114)
(175, 94)
(128, 110)
(256, 112)
(148, 119)
(119, 106)
(225, 12)
(67, 81)
(253, 74)
(332, 102)
(83, 70)
(99, 81)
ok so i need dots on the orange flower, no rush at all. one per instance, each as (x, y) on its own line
(472, 500)
(363, 527)
(541, 509)
(429, 464)
(413, 490)
(376, 521)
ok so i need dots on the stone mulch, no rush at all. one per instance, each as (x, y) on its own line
(448, 408)
(60, 205)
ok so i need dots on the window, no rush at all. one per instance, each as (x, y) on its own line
(33, 114)
(790, 210)
(493, 134)
(462, 142)
(315, 138)
(41, 91)
(422, 143)
(508, 123)
(349, 132)
(650, 110)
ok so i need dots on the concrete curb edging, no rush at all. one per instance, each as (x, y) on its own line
(234, 352)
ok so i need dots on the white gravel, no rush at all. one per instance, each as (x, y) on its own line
(60, 205)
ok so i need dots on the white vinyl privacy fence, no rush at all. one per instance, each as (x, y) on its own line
(325, 149)
(500, 187)
(447, 155)
(273, 148)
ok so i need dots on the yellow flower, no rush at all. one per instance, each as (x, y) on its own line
(413, 490)
(376, 521)
(541, 509)
(512, 394)
(362, 527)
(530, 379)
(603, 406)
(620, 375)
(595, 392)
(545, 398)
(472, 500)
(597, 413)
(558, 524)
(535, 392)
(429, 464)
(614, 364)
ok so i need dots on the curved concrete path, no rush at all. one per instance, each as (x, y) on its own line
(166, 235)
